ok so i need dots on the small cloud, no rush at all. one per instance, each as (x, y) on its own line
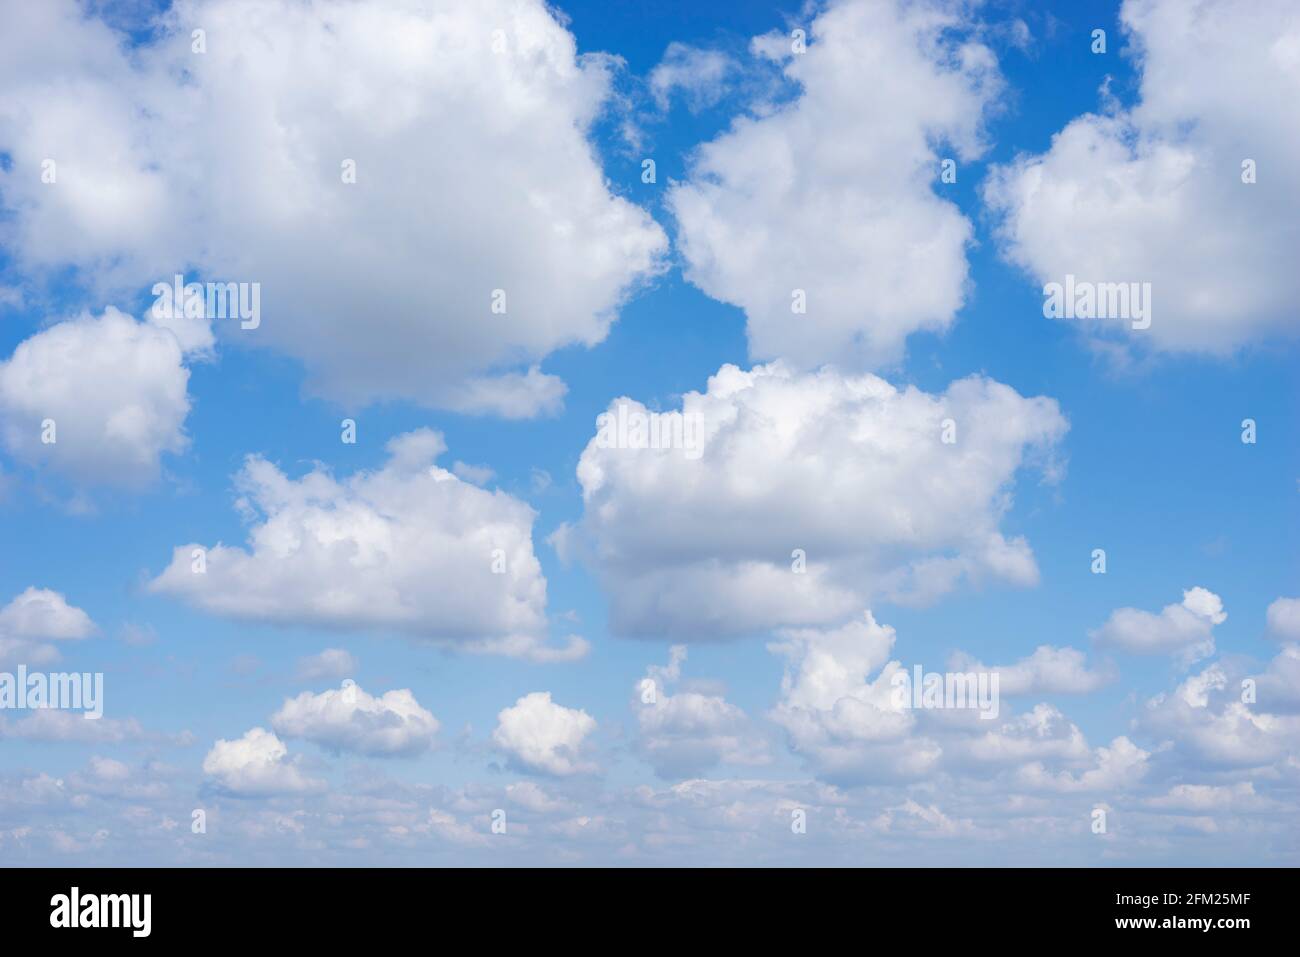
(476, 474)
(1284, 619)
(543, 737)
(256, 765)
(330, 665)
(701, 77)
(1184, 630)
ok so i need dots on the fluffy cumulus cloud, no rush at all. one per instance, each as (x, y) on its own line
(1278, 687)
(839, 708)
(1184, 630)
(1155, 193)
(384, 286)
(349, 719)
(539, 736)
(366, 552)
(256, 765)
(833, 192)
(1284, 619)
(98, 399)
(1223, 718)
(1049, 670)
(848, 709)
(1119, 766)
(1026, 742)
(34, 621)
(1214, 757)
(688, 732)
(1206, 758)
(701, 540)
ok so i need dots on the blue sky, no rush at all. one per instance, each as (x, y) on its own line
(1152, 468)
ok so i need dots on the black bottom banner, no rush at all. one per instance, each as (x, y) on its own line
(1222, 907)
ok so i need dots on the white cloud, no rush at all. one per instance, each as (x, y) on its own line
(701, 76)
(1184, 630)
(686, 733)
(474, 172)
(348, 719)
(541, 736)
(1120, 766)
(256, 765)
(1208, 722)
(408, 547)
(42, 613)
(1284, 619)
(447, 827)
(834, 193)
(107, 769)
(841, 712)
(532, 797)
(1154, 194)
(475, 474)
(1278, 688)
(113, 779)
(925, 821)
(330, 664)
(66, 726)
(115, 389)
(846, 723)
(1049, 670)
(851, 470)
(1039, 735)
(1209, 797)
(34, 619)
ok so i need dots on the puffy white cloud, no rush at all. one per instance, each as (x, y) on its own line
(34, 619)
(42, 613)
(1039, 735)
(1184, 630)
(843, 713)
(686, 733)
(1284, 619)
(256, 765)
(846, 723)
(833, 192)
(541, 736)
(851, 470)
(378, 818)
(1209, 721)
(701, 76)
(349, 719)
(467, 122)
(1049, 670)
(115, 389)
(408, 547)
(1120, 766)
(1155, 193)
(331, 664)
(1278, 687)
